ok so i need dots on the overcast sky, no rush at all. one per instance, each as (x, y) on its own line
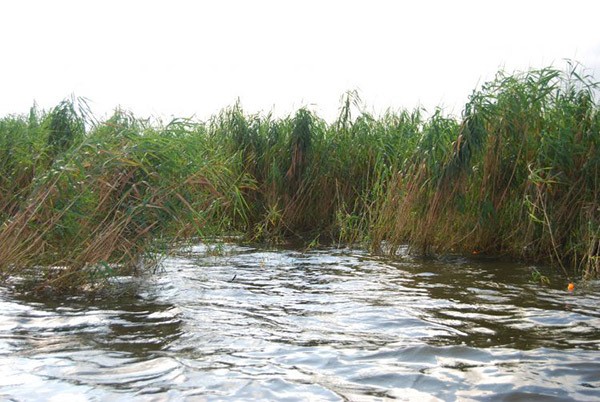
(183, 58)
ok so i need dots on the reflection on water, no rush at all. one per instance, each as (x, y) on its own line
(321, 325)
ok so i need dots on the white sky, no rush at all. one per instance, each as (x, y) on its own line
(185, 58)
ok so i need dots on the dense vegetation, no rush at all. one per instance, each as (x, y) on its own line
(518, 175)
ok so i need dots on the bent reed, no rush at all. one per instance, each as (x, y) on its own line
(518, 175)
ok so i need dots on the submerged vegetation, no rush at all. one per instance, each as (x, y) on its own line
(517, 175)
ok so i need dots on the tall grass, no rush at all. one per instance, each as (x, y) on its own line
(519, 176)
(103, 202)
(516, 175)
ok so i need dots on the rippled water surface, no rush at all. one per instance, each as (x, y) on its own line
(321, 325)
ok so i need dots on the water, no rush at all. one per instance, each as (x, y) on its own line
(320, 325)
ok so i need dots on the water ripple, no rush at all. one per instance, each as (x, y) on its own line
(322, 325)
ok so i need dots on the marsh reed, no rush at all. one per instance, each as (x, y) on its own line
(517, 175)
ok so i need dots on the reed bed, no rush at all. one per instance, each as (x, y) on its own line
(517, 175)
